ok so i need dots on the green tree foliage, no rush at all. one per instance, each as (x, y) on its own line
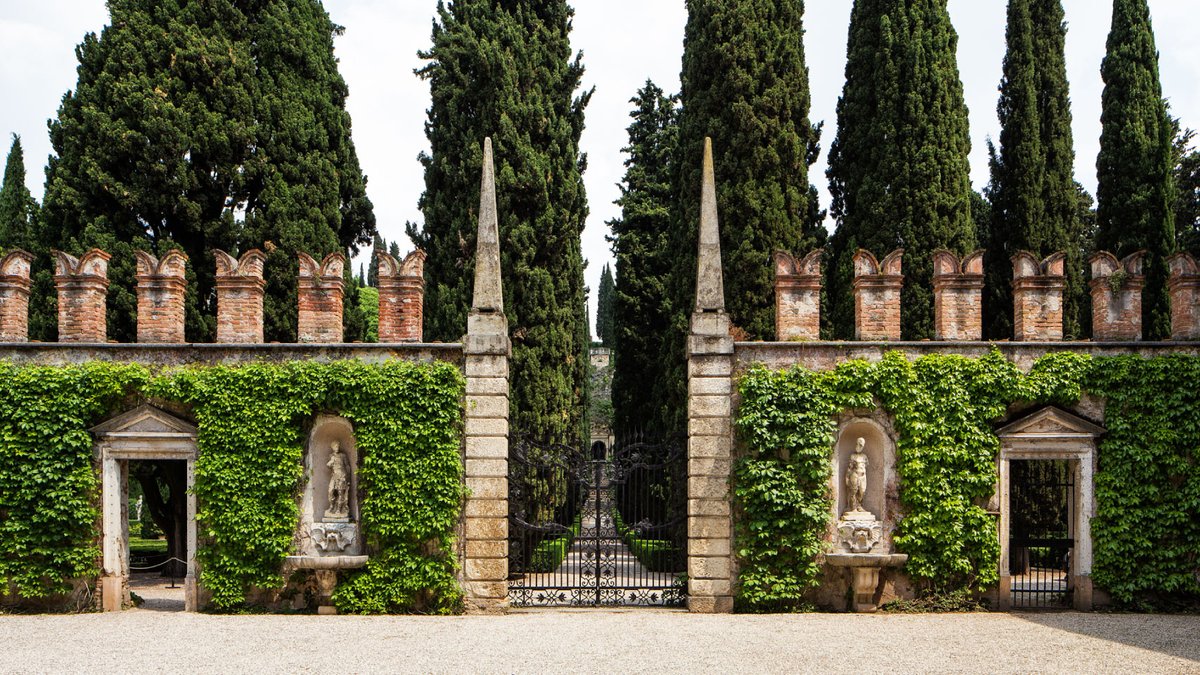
(368, 302)
(641, 244)
(1136, 191)
(190, 128)
(898, 170)
(378, 246)
(18, 209)
(506, 70)
(604, 307)
(1187, 191)
(745, 85)
(1033, 192)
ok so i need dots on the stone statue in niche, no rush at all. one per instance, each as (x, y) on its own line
(856, 478)
(339, 485)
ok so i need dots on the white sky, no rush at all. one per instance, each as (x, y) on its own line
(624, 42)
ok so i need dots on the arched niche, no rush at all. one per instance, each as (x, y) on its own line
(880, 451)
(327, 429)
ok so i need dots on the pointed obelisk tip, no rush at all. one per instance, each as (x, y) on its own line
(488, 295)
(710, 282)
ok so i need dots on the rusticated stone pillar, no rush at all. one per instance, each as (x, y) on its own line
(402, 297)
(710, 438)
(797, 296)
(161, 287)
(958, 297)
(82, 296)
(1117, 297)
(14, 296)
(877, 289)
(1184, 286)
(320, 290)
(487, 350)
(1038, 297)
(240, 287)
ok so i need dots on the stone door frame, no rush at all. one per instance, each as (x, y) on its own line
(1052, 434)
(144, 433)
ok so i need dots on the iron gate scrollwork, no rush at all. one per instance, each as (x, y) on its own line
(597, 527)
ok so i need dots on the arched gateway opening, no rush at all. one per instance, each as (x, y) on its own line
(162, 448)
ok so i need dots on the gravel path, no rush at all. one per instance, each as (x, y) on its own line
(598, 641)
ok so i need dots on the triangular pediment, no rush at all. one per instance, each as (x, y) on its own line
(145, 419)
(1051, 422)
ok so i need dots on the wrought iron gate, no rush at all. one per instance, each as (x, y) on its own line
(1041, 541)
(597, 527)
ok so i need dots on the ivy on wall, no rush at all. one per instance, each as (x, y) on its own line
(48, 487)
(1146, 533)
(943, 406)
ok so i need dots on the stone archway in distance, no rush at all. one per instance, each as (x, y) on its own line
(1052, 434)
(144, 433)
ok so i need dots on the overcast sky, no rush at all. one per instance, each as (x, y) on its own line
(624, 42)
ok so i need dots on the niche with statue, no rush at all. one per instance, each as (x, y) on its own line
(864, 476)
(329, 537)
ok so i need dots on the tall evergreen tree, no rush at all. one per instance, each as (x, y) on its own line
(745, 85)
(1033, 191)
(604, 307)
(1136, 191)
(641, 244)
(309, 192)
(898, 170)
(1187, 191)
(506, 70)
(378, 246)
(189, 116)
(18, 209)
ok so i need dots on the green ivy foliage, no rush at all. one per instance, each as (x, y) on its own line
(1146, 533)
(48, 486)
(249, 471)
(408, 427)
(944, 408)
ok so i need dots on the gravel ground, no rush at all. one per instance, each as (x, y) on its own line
(634, 641)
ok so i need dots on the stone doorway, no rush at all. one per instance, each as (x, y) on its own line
(145, 435)
(1045, 488)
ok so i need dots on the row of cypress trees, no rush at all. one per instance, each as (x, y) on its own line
(898, 173)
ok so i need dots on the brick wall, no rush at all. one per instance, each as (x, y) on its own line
(1117, 297)
(958, 297)
(240, 297)
(14, 296)
(82, 296)
(1184, 287)
(1038, 297)
(797, 296)
(321, 288)
(161, 287)
(877, 288)
(402, 298)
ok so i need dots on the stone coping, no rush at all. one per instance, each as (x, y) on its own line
(827, 355)
(56, 353)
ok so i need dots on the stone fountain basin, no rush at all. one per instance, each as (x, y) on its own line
(331, 562)
(866, 559)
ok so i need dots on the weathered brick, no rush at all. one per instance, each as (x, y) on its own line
(1117, 297)
(1184, 286)
(402, 297)
(161, 289)
(321, 287)
(1038, 297)
(14, 296)
(877, 287)
(82, 296)
(240, 286)
(958, 297)
(798, 296)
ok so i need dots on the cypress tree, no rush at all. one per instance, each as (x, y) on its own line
(1135, 189)
(604, 307)
(394, 250)
(506, 70)
(745, 85)
(1187, 192)
(1033, 190)
(18, 209)
(378, 246)
(188, 115)
(641, 245)
(898, 170)
(309, 193)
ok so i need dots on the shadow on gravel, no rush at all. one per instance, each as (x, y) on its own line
(1170, 634)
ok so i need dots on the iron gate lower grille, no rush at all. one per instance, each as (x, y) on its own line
(587, 531)
(1041, 544)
